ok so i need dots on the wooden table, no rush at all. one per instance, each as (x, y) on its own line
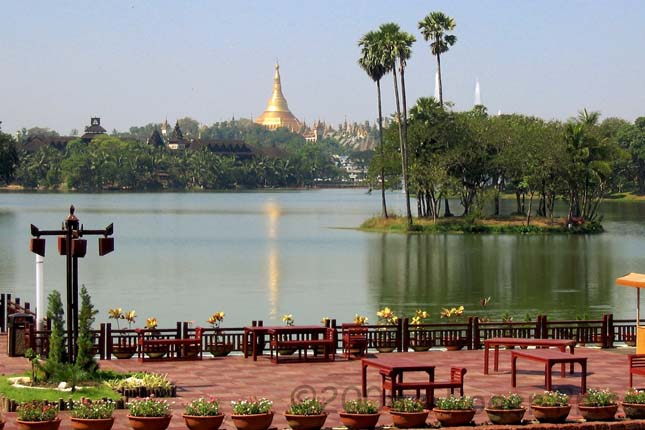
(256, 331)
(496, 342)
(549, 357)
(394, 368)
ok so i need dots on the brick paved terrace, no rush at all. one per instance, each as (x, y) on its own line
(234, 378)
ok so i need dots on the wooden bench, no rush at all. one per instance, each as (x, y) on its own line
(397, 387)
(496, 342)
(174, 349)
(284, 341)
(549, 358)
(636, 366)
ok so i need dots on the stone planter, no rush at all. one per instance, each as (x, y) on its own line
(505, 416)
(453, 417)
(253, 421)
(306, 422)
(220, 349)
(359, 421)
(551, 414)
(197, 422)
(407, 420)
(92, 424)
(124, 351)
(149, 423)
(39, 425)
(635, 411)
(598, 413)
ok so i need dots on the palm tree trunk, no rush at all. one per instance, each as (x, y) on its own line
(446, 212)
(382, 148)
(405, 148)
(401, 141)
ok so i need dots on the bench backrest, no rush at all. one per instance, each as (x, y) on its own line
(457, 374)
(636, 360)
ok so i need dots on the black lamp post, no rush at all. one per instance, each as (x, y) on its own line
(73, 247)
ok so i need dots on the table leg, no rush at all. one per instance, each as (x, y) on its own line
(571, 347)
(547, 376)
(583, 365)
(364, 380)
(245, 344)
(513, 369)
(486, 358)
(496, 359)
(254, 347)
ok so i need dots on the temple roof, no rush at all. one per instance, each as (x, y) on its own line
(277, 113)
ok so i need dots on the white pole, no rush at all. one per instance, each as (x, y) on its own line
(40, 292)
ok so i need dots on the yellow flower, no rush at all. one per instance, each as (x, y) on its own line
(216, 319)
(151, 323)
(287, 319)
(130, 317)
(115, 313)
(324, 320)
(386, 316)
(419, 317)
(360, 319)
(452, 312)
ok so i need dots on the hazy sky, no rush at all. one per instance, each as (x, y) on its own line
(135, 62)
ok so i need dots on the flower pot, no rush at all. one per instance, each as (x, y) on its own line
(505, 416)
(92, 424)
(598, 413)
(149, 423)
(220, 349)
(253, 421)
(453, 417)
(551, 414)
(407, 420)
(359, 421)
(124, 352)
(39, 425)
(286, 351)
(197, 422)
(634, 411)
(306, 422)
(156, 351)
(453, 344)
(1, 424)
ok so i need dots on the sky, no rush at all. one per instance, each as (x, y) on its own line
(133, 62)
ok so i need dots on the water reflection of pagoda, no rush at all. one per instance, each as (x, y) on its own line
(277, 113)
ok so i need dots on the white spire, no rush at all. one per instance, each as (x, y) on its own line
(478, 96)
(436, 85)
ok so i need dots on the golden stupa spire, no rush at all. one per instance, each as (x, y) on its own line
(277, 113)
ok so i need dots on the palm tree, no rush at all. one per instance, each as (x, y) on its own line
(433, 28)
(397, 46)
(372, 62)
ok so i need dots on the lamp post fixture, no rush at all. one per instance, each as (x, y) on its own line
(72, 247)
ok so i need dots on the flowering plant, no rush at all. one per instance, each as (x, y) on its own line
(216, 319)
(37, 410)
(360, 406)
(203, 407)
(419, 317)
(151, 323)
(550, 398)
(98, 409)
(452, 313)
(455, 403)
(595, 397)
(407, 404)
(118, 314)
(324, 320)
(505, 401)
(386, 316)
(252, 406)
(149, 407)
(360, 319)
(634, 396)
(306, 407)
(287, 319)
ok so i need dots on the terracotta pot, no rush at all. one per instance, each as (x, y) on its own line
(453, 344)
(1, 424)
(92, 424)
(196, 422)
(253, 422)
(306, 422)
(359, 421)
(220, 349)
(635, 411)
(598, 413)
(420, 348)
(124, 352)
(505, 416)
(551, 414)
(286, 351)
(149, 423)
(385, 349)
(453, 417)
(39, 425)
(408, 420)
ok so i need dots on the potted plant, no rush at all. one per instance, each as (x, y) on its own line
(93, 415)
(421, 340)
(505, 409)
(217, 348)
(550, 406)
(37, 415)
(453, 342)
(359, 414)
(598, 405)
(149, 413)
(306, 414)
(408, 413)
(288, 320)
(156, 351)
(252, 414)
(386, 336)
(634, 404)
(123, 349)
(203, 414)
(454, 410)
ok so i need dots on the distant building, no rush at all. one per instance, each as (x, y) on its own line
(34, 143)
(93, 130)
(277, 113)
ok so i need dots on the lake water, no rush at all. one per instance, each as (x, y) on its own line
(258, 255)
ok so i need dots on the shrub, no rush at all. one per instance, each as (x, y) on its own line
(505, 401)
(407, 404)
(360, 406)
(99, 409)
(149, 407)
(306, 407)
(550, 398)
(37, 411)
(455, 403)
(595, 397)
(203, 407)
(252, 406)
(634, 396)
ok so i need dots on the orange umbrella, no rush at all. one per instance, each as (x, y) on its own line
(636, 280)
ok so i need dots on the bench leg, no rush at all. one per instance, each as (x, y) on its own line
(513, 370)
(583, 364)
(547, 377)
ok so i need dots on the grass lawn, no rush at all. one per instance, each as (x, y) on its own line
(97, 391)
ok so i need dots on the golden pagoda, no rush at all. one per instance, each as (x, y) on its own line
(277, 113)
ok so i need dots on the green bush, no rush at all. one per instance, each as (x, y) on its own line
(407, 404)
(505, 401)
(455, 403)
(634, 396)
(306, 407)
(203, 407)
(360, 406)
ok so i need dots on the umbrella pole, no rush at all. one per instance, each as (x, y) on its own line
(638, 307)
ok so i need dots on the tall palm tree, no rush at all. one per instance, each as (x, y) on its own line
(397, 47)
(433, 28)
(371, 61)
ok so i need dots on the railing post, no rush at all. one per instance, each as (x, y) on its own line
(406, 334)
(102, 341)
(469, 333)
(607, 334)
(545, 327)
(399, 335)
(108, 341)
(476, 333)
(178, 330)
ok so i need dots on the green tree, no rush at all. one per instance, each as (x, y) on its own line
(433, 28)
(55, 314)
(8, 158)
(85, 354)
